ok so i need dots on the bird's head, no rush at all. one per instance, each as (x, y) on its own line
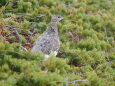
(56, 18)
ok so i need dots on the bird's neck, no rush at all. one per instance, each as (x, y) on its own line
(52, 28)
(54, 24)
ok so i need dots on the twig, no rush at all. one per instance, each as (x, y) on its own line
(20, 41)
(78, 81)
(6, 4)
(23, 48)
(67, 82)
(70, 82)
(106, 35)
(40, 15)
(108, 43)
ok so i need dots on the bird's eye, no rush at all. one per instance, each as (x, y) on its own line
(58, 16)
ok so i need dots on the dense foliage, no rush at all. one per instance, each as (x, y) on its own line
(87, 36)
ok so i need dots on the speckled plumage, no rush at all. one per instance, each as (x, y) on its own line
(48, 42)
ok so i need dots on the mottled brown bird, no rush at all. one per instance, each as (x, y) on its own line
(48, 42)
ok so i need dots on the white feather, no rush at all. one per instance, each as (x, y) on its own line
(54, 53)
(46, 57)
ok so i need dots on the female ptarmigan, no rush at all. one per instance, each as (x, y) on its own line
(48, 42)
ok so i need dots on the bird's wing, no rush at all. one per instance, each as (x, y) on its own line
(42, 44)
(37, 45)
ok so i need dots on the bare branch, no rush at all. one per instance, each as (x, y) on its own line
(67, 82)
(108, 43)
(23, 48)
(78, 81)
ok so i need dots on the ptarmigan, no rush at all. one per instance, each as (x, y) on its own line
(48, 42)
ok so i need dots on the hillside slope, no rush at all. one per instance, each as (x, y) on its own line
(87, 36)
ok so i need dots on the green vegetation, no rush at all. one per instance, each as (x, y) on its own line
(87, 36)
